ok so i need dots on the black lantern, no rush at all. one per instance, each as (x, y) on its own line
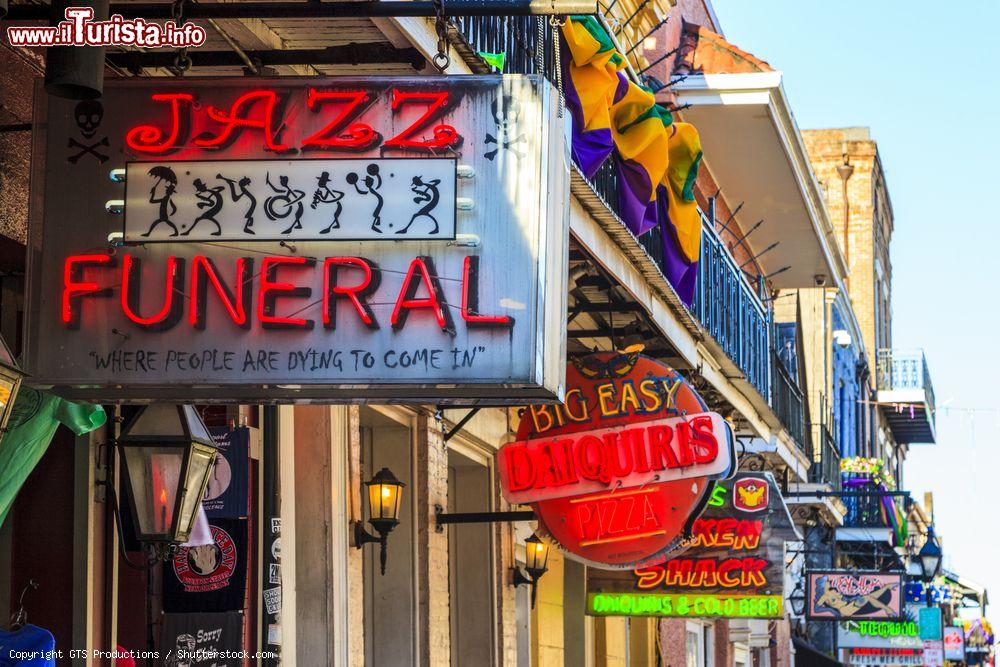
(930, 556)
(536, 557)
(169, 456)
(797, 598)
(10, 381)
(385, 493)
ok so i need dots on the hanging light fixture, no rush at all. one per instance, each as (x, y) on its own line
(536, 557)
(10, 381)
(930, 556)
(385, 493)
(797, 598)
(168, 457)
(75, 72)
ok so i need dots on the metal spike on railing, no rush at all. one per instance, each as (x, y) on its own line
(660, 59)
(758, 255)
(647, 35)
(732, 215)
(750, 231)
(625, 23)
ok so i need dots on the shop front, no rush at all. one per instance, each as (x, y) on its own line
(334, 272)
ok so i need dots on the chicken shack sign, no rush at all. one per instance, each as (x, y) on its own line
(734, 566)
(301, 239)
(617, 473)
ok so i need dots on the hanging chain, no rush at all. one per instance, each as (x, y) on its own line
(540, 45)
(557, 23)
(182, 61)
(441, 59)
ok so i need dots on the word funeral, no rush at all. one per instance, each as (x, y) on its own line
(354, 281)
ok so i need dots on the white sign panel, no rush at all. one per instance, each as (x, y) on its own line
(933, 653)
(317, 239)
(290, 200)
(954, 643)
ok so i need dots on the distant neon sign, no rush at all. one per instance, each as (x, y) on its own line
(696, 606)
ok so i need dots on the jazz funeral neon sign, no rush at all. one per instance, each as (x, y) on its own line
(455, 309)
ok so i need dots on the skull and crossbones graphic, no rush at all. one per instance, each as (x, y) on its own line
(506, 113)
(88, 115)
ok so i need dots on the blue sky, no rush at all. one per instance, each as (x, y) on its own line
(925, 81)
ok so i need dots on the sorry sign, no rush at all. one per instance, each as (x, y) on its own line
(621, 468)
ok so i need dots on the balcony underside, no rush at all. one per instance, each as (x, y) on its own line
(754, 152)
(908, 415)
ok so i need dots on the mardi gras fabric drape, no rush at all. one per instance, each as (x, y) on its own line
(656, 159)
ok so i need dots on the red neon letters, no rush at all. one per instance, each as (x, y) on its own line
(746, 572)
(237, 305)
(239, 117)
(149, 138)
(357, 135)
(612, 457)
(131, 296)
(347, 283)
(356, 295)
(267, 113)
(444, 135)
(271, 290)
(407, 300)
(75, 287)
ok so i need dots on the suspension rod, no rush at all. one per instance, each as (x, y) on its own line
(315, 10)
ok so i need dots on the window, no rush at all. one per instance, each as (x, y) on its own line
(698, 645)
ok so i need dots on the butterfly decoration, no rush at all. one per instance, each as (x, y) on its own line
(619, 364)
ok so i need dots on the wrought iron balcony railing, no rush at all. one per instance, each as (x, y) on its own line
(906, 393)
(865, 511)
(725, 303)
(789, 404)
(905, 369)
(826, 467)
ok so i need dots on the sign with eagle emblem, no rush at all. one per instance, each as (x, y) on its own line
(733, 566)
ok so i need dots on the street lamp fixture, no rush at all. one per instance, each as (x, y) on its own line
(10, 381)
(536, 557)
(385, 493)
(930, 556)
(797, 598)
(169, 456)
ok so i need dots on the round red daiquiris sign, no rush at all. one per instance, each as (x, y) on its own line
(617, 473)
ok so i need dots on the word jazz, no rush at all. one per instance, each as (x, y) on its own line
(266, 113)
(353, 281)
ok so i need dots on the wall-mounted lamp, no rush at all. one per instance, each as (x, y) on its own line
(536, 557)
(842, 338)
(168, 455)
(10, 381)
(797, 598)
(385, 493)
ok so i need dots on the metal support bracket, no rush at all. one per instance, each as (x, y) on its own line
(445, 518)
(460, 424)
